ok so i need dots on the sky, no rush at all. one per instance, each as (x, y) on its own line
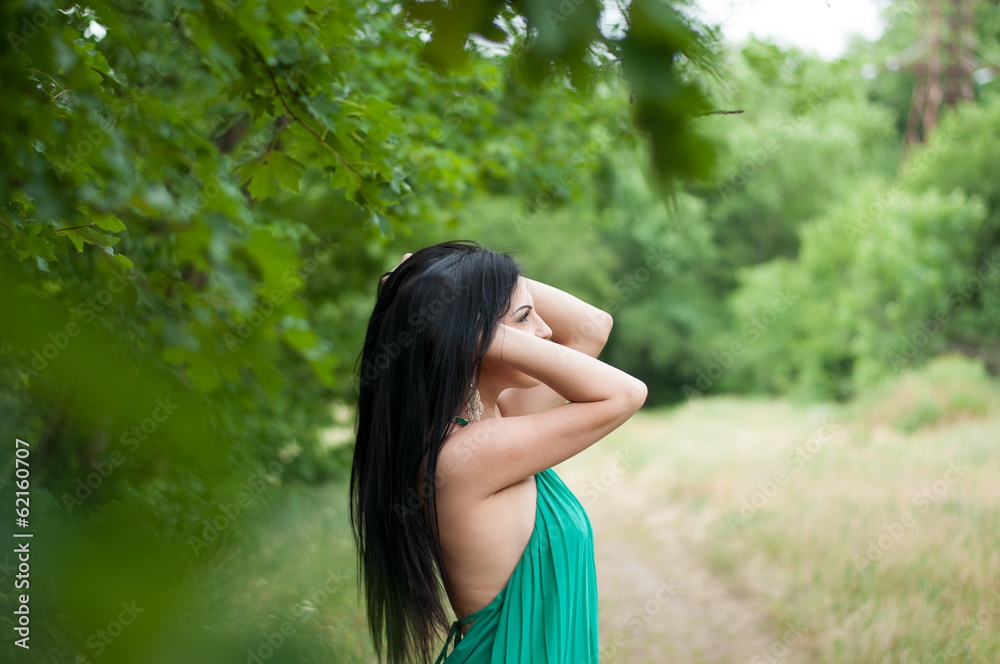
(821, 25)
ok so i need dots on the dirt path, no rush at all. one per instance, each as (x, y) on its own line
(659, 600)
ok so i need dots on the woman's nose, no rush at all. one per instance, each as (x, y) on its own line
(545, 332)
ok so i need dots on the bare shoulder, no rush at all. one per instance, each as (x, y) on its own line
(457, 471)
(492, 454)
(475, 461)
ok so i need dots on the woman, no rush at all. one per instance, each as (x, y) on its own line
(462, 412)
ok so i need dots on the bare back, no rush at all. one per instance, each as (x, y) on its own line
(482, 538)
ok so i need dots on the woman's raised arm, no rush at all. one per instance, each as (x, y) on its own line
(495, 453)
(575, 324)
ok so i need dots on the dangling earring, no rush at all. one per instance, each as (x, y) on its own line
(474, 405)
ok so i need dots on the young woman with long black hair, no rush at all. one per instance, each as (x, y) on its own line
(473, 382)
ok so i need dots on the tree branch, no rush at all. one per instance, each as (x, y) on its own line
(73, 228)
(290, 112)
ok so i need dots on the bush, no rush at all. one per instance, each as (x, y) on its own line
(947, 389)
(883, 282)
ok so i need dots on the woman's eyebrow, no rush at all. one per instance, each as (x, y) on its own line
(523, 306)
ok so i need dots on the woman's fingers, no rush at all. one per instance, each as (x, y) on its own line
(386, 275)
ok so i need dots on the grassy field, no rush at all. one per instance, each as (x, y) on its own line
(290, 595)
(878, 545)
(871, 529)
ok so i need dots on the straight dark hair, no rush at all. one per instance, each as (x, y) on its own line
(434, 317)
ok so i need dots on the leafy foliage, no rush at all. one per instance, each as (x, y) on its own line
(197, 198)
(899, 273)
(196, 204)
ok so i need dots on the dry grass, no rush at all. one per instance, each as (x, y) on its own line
(879, 545)
(884, 546)
(947, 389)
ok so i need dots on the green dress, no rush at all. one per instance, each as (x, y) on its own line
(547, 613)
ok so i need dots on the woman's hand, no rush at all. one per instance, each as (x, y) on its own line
(571, 324)
(525, 443)
(495, 350)
(574, 323)
(386, 275)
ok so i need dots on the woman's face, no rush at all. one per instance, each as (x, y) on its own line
(521, 315)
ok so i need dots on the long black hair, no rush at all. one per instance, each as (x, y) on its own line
(434, 317)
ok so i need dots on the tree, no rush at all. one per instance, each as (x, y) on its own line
(196, 198)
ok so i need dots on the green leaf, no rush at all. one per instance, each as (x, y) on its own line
(323, 109)
(270, 378)
(252, 18)
(383, 224)
(344, 177)
(382, 111)
(77, 242)
(275, 256)
(300, 339)
(109, 222)
(161, 10)
(121, 258)
(273, 171)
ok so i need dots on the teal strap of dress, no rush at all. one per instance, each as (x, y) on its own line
(454, 634)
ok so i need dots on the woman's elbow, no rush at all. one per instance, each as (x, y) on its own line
(637, 394)
(598, 331)
(604, 324)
